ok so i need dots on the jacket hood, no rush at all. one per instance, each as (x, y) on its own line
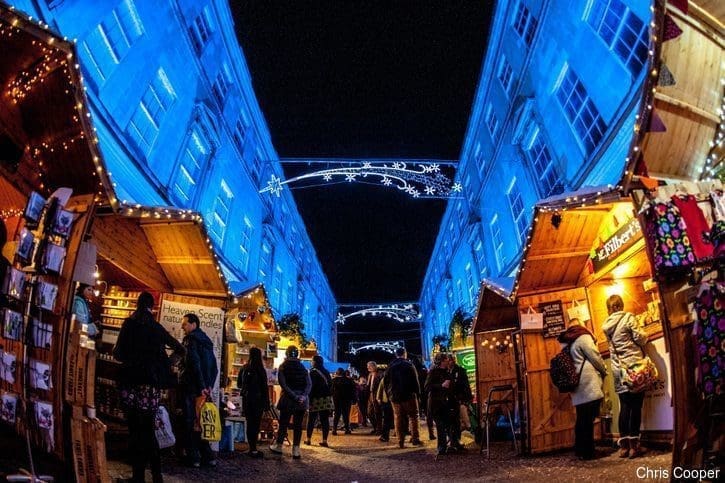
(201, 338)
(573, 333)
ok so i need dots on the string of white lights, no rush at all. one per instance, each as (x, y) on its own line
(397, 312)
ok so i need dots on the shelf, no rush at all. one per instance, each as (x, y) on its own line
(130, 309)
(111, 297)
(119, 317)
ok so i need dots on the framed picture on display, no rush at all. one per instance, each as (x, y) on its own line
(44, 415)
(8, 407)
(12, 325)
(62, 222)
(53, 258)
(16, 284)
(7, 367)
(271, 349)
(34, 209)
(25, 246)
(46, 295)
(41, 334)
(40, 375)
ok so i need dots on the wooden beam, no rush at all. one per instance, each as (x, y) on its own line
(184, 261)
(200, 293)
(710, 116)
(552, 256)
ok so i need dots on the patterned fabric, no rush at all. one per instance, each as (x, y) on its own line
(667, 235)
(710, 337)
(143, 398)
(696, 223)
(323, 403)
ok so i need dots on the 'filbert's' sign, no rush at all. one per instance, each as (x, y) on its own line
(624, 238)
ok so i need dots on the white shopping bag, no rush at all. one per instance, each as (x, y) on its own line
(164, 434)
(532, 320)
(579, 311)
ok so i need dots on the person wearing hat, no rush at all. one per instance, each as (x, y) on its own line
(293, 402)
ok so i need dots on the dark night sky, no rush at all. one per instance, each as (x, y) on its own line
(366, 79)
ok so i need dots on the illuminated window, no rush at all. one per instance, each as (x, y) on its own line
(580, 111)
(497, 241)
(200, 31)
(221, 86)
(516, 204)
(525, 24)
(505, 75)
(240, 132)
(543, 165)
(480, 161)
(197, 152)
(492, 123)
(245, 244)
(460, 293)
(622, 31)
(143, 128)
(277, 285)
(478, 255)
(220, 211)
(472, 285)
(108, 43)
(265, 260)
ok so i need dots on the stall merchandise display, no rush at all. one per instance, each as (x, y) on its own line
(710, 336)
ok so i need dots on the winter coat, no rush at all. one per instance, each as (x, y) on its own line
(295, 382)
(626, 344)
(401, 379)
(586, 357)
(461, 386)
(83, 314)
(377, 379)
(343, 389)
(440, 399)
(321, 382)
(200, 367)
(140, 349)
(253, 387)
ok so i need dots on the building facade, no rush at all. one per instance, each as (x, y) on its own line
(179, 125)
(554, 110)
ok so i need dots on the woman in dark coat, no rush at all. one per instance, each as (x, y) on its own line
(343, 395)
(441, 400)
(294, 400)
(319, 396)
(252, 382)
(145, 370)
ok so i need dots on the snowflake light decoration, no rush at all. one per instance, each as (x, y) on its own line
(405, 312)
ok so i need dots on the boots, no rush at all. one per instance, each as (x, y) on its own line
(636, 448)
(275, 448)
(624, 447)
(296, 452)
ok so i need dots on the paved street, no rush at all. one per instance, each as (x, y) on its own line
(361, 457)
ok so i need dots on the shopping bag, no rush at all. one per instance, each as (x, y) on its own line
(164, 434)
(532, 320)
(579, 311)
(199, 402)
(210, 422)
(640, 376)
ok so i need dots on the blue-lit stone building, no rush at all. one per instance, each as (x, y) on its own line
(554, 110)
(179, 125)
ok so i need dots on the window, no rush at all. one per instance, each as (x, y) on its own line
(580, 110)
(492, 123)
(472, 285)
(109, 42)
(622, 31)
(245, 244)
(220, 212)
(240, 132)
(505, 75)
(525, 24)
(497, 242)
(221, 86)
(193, 161)
(516, 204)
(543, 165)
(277, 285)
(480, 162)
(200, 31)
(460, 293)
(143, 128)
(478, 255)
(265, 261)
(449, 295)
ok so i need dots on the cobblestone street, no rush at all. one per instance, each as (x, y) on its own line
(361, 457)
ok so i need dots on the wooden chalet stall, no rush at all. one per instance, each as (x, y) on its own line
(688, 149)
(583, 247)
(46, 143)
(494, 327)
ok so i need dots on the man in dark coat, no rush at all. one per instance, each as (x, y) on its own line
(343, 395)
(463, 395)
(402, 380)
(198, 375)
(441, 401)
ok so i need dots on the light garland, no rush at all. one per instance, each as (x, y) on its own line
(424, 180)
(398, 312)
(387, 346)
(500, 345)
(19, 87)
(11, 213)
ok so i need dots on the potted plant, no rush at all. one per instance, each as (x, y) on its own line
(460, 328)
(291, 326)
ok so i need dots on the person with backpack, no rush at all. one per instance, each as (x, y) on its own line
(588, 394)
(252, 382)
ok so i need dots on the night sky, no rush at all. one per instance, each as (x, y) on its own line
(366, 79)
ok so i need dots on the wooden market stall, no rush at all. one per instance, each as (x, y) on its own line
(47, 143)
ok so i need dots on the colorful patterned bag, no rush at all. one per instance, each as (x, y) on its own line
(323, 403)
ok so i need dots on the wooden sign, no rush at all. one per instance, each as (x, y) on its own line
(624, 238)
(553, 313)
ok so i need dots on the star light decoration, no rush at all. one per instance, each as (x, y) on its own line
(397, 312)
(387, 346)
(417, 179)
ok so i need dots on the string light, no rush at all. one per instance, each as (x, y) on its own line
(397, 312)
(10, 213)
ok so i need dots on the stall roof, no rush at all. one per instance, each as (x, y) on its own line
(180, 244)
(495, 309)
(46, 136)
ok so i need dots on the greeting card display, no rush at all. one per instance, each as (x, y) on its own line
(12, 325)
(41, 334)
(62, 222)
(34, 209)
(16, 283)
(40, 376)
(7, 367)
(25, 245)
(8, 406)
(46, 295)
(44, 415)
(53, 258)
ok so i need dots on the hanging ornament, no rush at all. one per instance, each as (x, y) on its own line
(681, 5)
(672, 30)
(666, 78)
(655, 123)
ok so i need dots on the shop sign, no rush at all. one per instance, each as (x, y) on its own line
(466, 358)
(553, 315)
(657, 406)
(624, 238)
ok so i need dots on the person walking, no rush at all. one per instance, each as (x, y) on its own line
(374, 410)
(145, 370)
(294, 400)
(401, 379)
(320, 400)
(386, 411)
(343, 394)
(198, 375)
(441, 401)
(363, 397)
(626, 346)
(252, 382)
(588, 395)
(463, 396)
